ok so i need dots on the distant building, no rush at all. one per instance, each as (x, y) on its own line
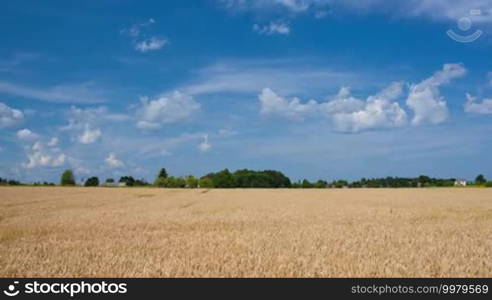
(460, 182)
(114, 184)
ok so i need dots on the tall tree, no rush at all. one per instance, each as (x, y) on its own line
(67, 178)
(480, 180)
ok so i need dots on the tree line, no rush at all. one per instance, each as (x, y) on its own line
(255, 179)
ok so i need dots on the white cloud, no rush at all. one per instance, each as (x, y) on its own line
(84, 123)
(150, 44)
(26, 135)
(472, 106)
(425, 99)
(136, 29)
(272, 28)
(39, 156)
(10, 116)
(53, 142)
(439, 10)
(378, 111)
(89, 135)
(289, 76)
(273, 104)
(205, 145)
(343, 103)
(166, 109)
(87, 92)
(113, 162)
(347, 113)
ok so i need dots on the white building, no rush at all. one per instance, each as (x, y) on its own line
(460, 182)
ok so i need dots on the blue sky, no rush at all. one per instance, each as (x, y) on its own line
(319, 89)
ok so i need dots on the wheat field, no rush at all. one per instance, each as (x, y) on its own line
(148, 232)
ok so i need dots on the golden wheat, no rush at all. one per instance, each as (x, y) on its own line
(125, 232)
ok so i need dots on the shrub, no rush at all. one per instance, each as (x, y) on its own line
(93, 181)
(206, 183)
(488, 184)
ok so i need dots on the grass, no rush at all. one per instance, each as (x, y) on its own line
(100, 232)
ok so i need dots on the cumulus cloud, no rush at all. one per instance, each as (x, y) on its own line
(273, 104)
(85, 123)
(205, 145)
(347, 113)
(10, 116)
(113, 162)
(150, 44)
(472, 106)
(277, 27)
(26, 135)
(89, 136)
(166, 109)
(41, 156)
(379, 111)
(425, 99)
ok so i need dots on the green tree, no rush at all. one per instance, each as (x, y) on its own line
(67, 178)
(162, 173)
(93, 181)
(206, 183)
(480, 180)
(110, 180)
(128, 180)
(191, 182)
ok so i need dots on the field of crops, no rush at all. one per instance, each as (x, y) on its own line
(150, 232)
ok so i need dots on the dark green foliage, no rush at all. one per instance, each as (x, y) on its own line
(488, 184)
(480, 180)
(110, 180)
(128, 180)
(162, 173)
(92, 181)
(67, 178)
(223, 179)
(206, 183)
(4, 181)
(248, 179)
(191, 182)
(398, 182)
(340, 184)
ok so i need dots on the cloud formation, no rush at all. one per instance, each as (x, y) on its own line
(26, 135)
(87, 92)
(113, 162)
(276, 27)
(10, 116)
(205, 145)
(438, 10)
(150, 44)
(153, 114)
(425, 99)
(41, 155)
(349, 114)
(472, 106)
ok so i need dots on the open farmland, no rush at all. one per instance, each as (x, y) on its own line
(149, 232)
